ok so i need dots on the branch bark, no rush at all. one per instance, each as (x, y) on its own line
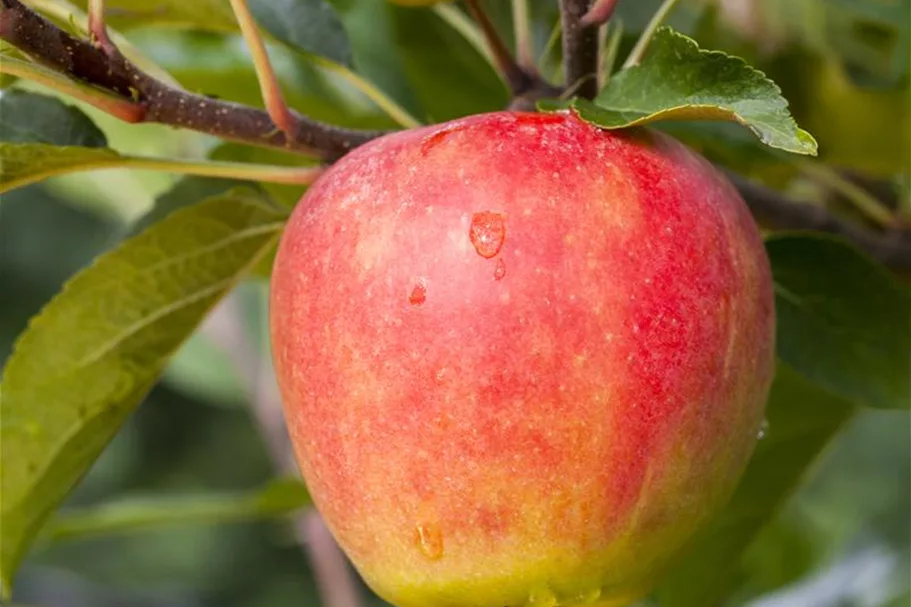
(772, 209)
(49, 45)
(580, 49)
(517, 78)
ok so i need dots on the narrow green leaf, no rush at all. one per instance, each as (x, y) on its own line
(679, 81)
(311, 26)
(26, 163)
(134, 515)
(88, 359)
(843, 323)
(802, 420)
(31, 118)
(448, 75)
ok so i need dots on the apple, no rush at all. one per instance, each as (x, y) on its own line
(522, 358)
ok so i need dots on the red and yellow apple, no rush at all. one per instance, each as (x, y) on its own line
(522, 358)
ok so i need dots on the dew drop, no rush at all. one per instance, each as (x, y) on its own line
(418, 295)
(487, 233)
(500, 271)
(429, 540)
(541, 597)
(763, 430)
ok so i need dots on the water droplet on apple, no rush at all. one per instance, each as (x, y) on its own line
(500, 271)
(541, 596)
(418, 295)
(487, 233)
(763, 430)
(429, 540)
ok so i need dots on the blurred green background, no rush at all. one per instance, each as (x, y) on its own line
(844, 540)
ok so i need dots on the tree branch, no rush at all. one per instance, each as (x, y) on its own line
(580, 49)
(518, 79)
(79, 59)
(772, 209)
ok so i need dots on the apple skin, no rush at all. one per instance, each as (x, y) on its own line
(522, 358)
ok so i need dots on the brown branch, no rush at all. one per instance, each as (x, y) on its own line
(772, 209)
(580, 49)
(518, 79)
(79, 59)
(600, 13)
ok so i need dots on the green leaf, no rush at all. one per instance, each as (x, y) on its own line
(843, 323)
(679, 81)
(448, 75)
(311, 26)
(802, 419)
(88, 359)
(372, 32)
(186, 192)
(25, 163)
(31, 118)
(132, 515)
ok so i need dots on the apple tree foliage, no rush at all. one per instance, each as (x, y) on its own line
(89, 358)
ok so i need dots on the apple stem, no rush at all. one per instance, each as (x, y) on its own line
(580, 49)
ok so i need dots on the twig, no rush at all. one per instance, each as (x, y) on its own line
(638, 52)
(580, 49)
(772, 209)
(278, 110)
(51, 46)
(517, 78)
(64, 11)
(98, 31)
(600, 13)
(862, 200)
